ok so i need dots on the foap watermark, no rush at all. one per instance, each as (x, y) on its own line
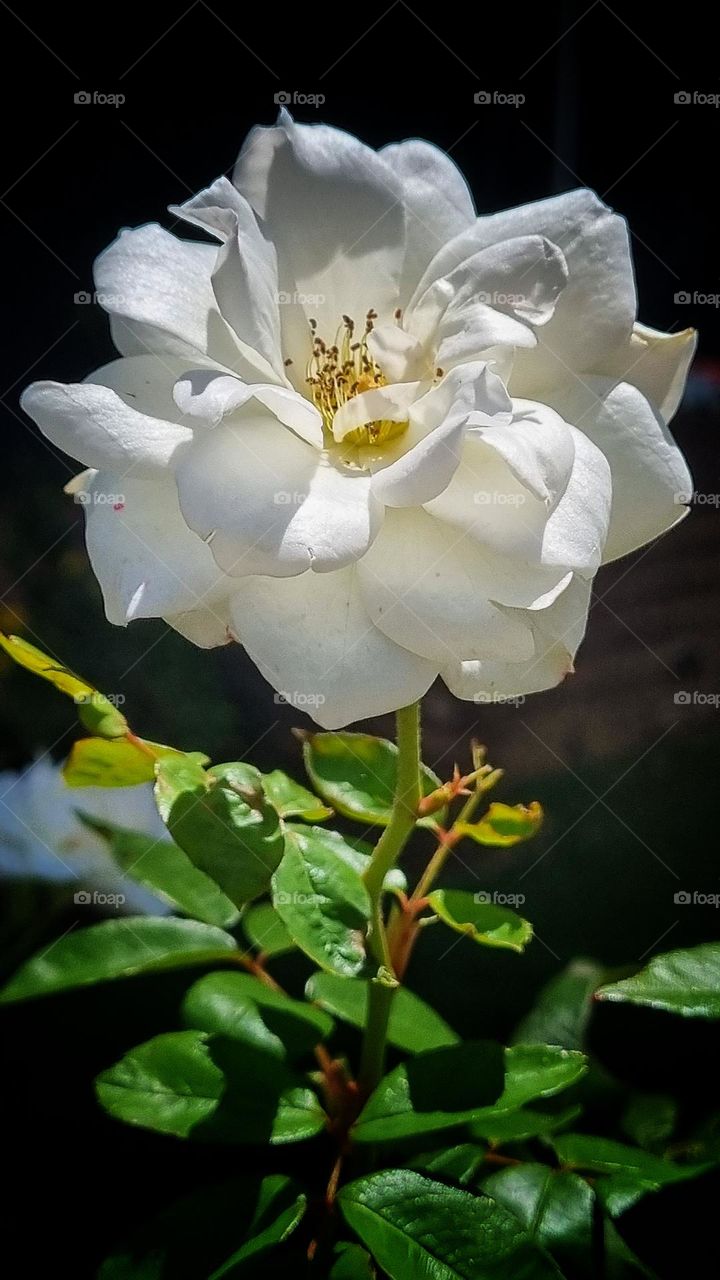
(499, 299)
(97, 699)
(696, 898)
(298, 699)
(84, 98)
(684, 498)
(485, 898)
(296, 98)
(491, 498)
(297, 899)
(289, 498)
(696, 698)
(95, 898)
(299, 299)
(98, 498)
(696, 98)
(684, 298)
(498, 98)
(86, 297)
(502, 699)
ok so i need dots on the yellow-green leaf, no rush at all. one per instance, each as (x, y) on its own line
(481, 919)
(113, 762)
(96, 712)
(291, 800)
(504, 825)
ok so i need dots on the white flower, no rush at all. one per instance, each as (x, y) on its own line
(42, 838)
(372, 436)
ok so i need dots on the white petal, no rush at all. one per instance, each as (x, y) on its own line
(427, 587)
(576, 532)
(425, 469)
(207, 628)
(523, 276)
(399, 355)
(209, 396)
(94, 425)
(423, 461)
(557, 631)
(332, 208)
(245, 277)
(472, 389)
(239, 487)
(147, 561)
(337, 521)
(485, 499)
(313, 640)
(468, 332)
(270, 504)
(246, 287)
(650, 479)
(537, 446)
(437, 202)
(656, 363)
(391, 403)
(145, 383)
(158, 292)
(595, 312)
(218, 209)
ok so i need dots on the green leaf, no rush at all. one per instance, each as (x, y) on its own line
(118, 949)
(116, 762)
(704, 1140)
(268, 999)
(226, 836)
(649, 1119)
(190, 1084)
(352, 1262)
(265, 930)
(355, 852)
(322, 901)
(228, 1003)
(163, 867)
(467, 1084)
(211, 1232)
(481, 920)
(356, 774)
(414, 1226)
(504, 825)
(414, 1026)
(562, 1010)
(291, 800)
(458, 1164)
(683, 982)
(519, 1126)
(279, 1209)
(555, 1209)
(620, 1261)
(632, 1172)
(96, 712)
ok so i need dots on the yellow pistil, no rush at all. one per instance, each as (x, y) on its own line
(338, 373)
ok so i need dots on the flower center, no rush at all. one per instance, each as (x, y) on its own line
(337, 373)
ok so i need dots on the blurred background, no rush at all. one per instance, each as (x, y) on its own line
(624, 756)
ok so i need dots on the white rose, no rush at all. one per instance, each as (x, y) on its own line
(42, 838)
(372, 436)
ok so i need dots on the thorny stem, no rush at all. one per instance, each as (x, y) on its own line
(447, 843)
(405, 926)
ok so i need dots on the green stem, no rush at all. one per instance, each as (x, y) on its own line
(387, 851)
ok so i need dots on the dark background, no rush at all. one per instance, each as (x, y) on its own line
(628, 777)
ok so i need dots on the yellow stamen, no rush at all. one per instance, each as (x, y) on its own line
(340, 372)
